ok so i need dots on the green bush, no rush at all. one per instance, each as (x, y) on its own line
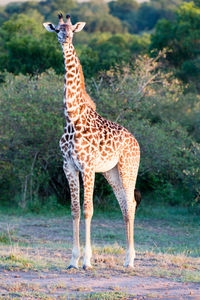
(31, 122)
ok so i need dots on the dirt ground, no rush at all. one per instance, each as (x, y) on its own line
(73, 284)
(35, 252)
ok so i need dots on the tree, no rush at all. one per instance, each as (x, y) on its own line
(50, 8)
(197, 3)
(147, 17)
(97, 17)
(3, 15)
(27, 48)
(126, 11)
(18, 8)
(106, 51)
(181, 38)
(144, 16)
(121, 8)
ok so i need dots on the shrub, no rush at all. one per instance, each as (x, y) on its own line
(31, 123)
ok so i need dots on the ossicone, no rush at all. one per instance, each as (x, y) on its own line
(60, 16)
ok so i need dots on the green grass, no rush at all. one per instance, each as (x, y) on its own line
(164, 229)
(169, 230)
(27, 295)
(108, 296)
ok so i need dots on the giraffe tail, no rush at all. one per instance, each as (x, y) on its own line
(138, 197)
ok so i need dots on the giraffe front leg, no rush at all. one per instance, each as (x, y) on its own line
(88, 182)
(73, 179)
(76, 247)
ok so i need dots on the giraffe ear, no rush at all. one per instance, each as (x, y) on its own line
(49, 27)
(78, 26)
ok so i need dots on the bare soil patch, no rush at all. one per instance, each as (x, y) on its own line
(76, 284)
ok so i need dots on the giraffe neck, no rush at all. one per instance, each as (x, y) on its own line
(73, 100)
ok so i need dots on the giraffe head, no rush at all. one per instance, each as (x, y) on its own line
(64, 30)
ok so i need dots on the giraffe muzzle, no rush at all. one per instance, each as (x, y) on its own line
(66, 41)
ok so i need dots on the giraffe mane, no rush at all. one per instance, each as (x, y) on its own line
(86, 97)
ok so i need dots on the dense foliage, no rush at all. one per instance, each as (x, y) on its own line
(155, 95)
(181, 39)
(25, 47)
(150, 105)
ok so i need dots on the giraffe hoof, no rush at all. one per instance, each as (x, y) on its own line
(86, 268)
(129, 267)
(71, 267)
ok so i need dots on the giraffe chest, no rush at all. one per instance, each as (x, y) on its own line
(84, 149)
(91, 144)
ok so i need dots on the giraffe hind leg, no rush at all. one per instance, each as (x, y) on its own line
(128, 168)
(113, 178)
(122, 179)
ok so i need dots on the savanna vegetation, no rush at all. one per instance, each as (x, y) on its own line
(142, 68)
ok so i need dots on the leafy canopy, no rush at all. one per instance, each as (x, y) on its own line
(181, 38)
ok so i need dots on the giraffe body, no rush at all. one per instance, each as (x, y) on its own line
(92, 144)
(95, 142)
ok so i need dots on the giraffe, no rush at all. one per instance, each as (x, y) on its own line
(92, 144)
